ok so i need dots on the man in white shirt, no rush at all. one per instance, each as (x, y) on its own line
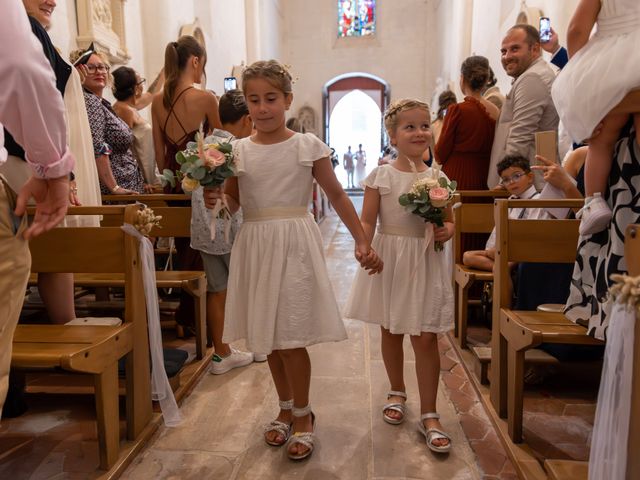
(32, 109)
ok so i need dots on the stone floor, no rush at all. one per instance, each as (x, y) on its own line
(221, 434)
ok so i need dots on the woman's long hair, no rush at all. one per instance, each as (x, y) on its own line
(176, 56)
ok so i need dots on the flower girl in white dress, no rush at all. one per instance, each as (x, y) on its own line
(279, 295)
(413, 295)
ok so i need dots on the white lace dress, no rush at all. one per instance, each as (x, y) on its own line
(413, 294)
(598, 77)
(279, 294)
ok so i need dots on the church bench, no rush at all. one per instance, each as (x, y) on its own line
(175, 222)
(515, 332)
(469, 217)
(95, 350)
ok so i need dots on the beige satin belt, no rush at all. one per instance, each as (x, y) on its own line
(402, 230)
(274, 213)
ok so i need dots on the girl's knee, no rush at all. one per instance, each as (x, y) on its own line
(398, 337)
(291, 353)
(424, 341)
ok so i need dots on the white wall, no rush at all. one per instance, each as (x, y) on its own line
(396, 53)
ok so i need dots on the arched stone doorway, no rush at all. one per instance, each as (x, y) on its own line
(352, 113)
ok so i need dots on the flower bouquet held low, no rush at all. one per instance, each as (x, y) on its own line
(207, 164)
(428, 198)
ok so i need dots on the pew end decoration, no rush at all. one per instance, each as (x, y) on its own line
(428, 198)
(146, 220)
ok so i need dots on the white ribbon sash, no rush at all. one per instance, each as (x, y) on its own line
(160, 387)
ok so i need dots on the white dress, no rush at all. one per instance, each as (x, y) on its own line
(413, 294)
(599, 76)
(279, 295)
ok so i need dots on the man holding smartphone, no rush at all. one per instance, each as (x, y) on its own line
(32, 108)
(559, 55)
(528, 108)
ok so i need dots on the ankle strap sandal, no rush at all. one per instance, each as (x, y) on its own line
(399, 407)
(431, 434)
(305, 439)
(282, 429)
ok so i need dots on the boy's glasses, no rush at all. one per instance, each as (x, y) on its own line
(92, 68)
(512, 179)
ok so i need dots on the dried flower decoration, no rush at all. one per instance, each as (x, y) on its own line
(626, 289)
(146, 220)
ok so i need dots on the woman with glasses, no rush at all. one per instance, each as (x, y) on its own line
(128, 90)
(112, 138)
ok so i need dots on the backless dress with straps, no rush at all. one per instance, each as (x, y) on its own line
(171, 148)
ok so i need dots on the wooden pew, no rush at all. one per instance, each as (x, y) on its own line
(514, 332)
(95, 350)
(176, 222)
(468, 218)
(572, 470)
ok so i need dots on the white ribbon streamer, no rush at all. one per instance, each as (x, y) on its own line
(221, 209)
(160, 387)
(608, 456)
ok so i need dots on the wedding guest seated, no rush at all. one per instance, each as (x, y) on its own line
(516, 176)
(112, 138)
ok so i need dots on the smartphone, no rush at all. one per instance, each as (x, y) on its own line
(545, 29)
(230, 83)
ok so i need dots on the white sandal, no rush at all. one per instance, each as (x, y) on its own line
(595, 216)
(432, 434)
(303, 438)
(279, 427)
(399, 407)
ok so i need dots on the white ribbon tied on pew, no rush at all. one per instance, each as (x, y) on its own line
(608, 455)
(160, 387)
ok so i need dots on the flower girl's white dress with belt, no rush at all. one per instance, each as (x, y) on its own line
(279, 295)
(413, 294)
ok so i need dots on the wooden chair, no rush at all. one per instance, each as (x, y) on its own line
(514, 332)
(468, 218)
(572, 470)
(176, 222)
(95, 350)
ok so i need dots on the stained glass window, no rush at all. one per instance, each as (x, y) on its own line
(356, 18)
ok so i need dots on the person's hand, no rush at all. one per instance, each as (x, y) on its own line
(368, 258)
(73, 194)
(442, 234)
(552, 173)
(83, 72)
(118, 190)
(52, 200)
(552, 45)
(211, 196)
(148, 188)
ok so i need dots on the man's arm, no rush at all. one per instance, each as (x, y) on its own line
(30, 105)
(530, 96)
(560, 58)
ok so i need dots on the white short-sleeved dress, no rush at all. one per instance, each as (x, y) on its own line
(413, 294)
(598, 77)
(279, 294)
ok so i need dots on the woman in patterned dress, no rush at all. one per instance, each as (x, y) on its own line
(118, 170)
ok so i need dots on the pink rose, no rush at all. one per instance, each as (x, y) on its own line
(439, 197)
(213, 158)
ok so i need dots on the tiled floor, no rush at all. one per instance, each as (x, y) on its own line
(221, 436)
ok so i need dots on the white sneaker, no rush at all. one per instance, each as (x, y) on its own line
(595, 215)
(235, 359)
(259, 357)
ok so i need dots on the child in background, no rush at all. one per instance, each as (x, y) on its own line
(516, 176)
(601, 71)
(413, 295)
(280, 298)
(215, 254)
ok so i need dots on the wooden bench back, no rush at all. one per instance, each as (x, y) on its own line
(536, 241)
(632, 257)
(176, 222)
(149, 199)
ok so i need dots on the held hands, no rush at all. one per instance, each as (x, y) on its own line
(52, 201)
(368, 258)
(442, 234)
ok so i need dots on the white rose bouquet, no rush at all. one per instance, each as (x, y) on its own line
(428, 198)
(207, 164)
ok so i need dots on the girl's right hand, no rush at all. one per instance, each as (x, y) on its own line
(368, 258)
(211, 196)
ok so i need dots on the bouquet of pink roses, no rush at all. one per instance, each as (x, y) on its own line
(208, 164)
(428, 198)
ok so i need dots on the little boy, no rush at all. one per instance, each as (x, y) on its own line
(234, 116)
(516, 176)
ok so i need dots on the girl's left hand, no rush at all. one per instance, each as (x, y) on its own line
(442, 234)
(368, 259)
